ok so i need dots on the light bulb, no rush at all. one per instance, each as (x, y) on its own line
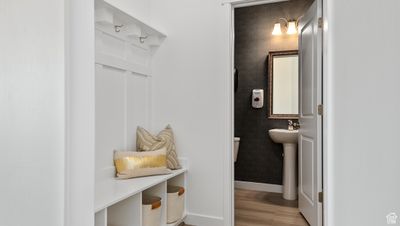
(292, 28)
(277, 29)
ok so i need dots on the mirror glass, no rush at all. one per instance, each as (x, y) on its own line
(283, 79)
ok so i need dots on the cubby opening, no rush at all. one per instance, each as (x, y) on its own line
(126, 212)
(180, 181)
(159, 190)
(100, 218)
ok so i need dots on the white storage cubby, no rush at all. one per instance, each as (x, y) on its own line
(119, 202)
(126, 212)
(180, 181)
(100, 218)
(160, 190)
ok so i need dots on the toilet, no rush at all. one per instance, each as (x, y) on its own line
(236, 147)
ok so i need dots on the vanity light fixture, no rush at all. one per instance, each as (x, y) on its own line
(291, 27)
(277, 29)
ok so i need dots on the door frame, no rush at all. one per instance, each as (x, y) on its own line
(229, 174)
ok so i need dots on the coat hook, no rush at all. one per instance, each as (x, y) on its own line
(117, 28)
(141, 39)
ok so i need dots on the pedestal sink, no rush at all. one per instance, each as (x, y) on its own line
(289, 140)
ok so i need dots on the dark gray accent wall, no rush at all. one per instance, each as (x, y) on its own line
(259, 159)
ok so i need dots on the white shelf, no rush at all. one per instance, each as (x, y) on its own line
(109, 13)
(111, 191)
(149, 29)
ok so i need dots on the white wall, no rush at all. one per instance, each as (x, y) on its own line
(362, 112)
(190, 85)
(32, 113)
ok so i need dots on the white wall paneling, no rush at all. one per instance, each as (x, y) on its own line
(123, 81)
(122, 104)
(110, 114)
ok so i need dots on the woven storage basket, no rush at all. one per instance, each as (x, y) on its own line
(175, 203)
(151, 213)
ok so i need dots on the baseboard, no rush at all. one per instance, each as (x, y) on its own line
(258, 186)
(203, 220)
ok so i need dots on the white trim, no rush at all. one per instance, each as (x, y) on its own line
(79, 112)
(203, 220)
(253, 186)
(327, 99)
(121, 64)
(229, 195)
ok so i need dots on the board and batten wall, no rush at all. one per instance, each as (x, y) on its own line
(123, 95)
(260, 159)
(32, 113)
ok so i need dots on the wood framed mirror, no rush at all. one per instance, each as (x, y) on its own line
(283, 84)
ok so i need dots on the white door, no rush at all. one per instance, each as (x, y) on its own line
(310, 139)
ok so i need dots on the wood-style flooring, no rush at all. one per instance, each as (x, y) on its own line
(183, 224)
(253, 208)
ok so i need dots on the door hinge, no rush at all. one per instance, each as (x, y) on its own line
(320, 109)
(320, 197)
(321, 22)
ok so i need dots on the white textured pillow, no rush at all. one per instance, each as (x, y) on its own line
(146, 141)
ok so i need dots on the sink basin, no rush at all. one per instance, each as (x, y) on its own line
(284, 136)
(288, 138)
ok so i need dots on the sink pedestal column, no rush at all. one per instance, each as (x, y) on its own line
(289, 171)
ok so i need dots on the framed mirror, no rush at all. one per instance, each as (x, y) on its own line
(283, 84)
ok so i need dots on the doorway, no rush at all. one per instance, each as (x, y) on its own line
(259, 164)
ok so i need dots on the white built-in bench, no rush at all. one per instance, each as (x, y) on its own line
(119, 202)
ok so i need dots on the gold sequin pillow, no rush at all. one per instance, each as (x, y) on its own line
(131, 164)
(146, 141)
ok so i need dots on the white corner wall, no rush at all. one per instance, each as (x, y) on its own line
(32, 113)
(363, 107)
(190, 92)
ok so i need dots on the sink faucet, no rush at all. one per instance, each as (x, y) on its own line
(290, 125)
(293, 125)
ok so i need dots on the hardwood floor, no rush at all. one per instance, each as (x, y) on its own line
(253, 208)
